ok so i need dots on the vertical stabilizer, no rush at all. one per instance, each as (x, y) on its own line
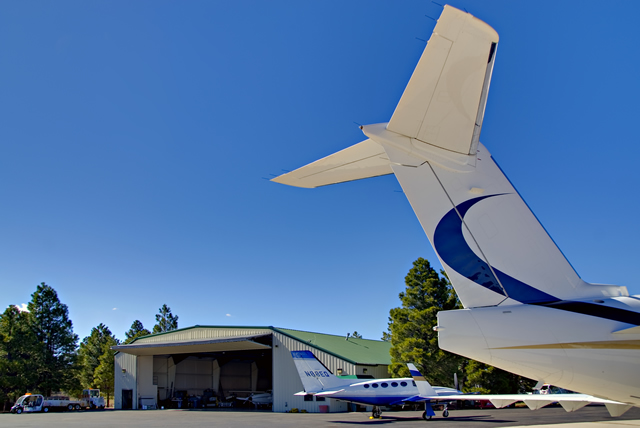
(424, 387)
(491, 245)
(314, 375)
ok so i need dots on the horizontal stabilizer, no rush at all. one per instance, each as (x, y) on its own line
(363, 160)
(329, 392)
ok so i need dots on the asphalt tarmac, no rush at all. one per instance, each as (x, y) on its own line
(486, 418)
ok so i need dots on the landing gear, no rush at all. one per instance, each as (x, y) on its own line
(445, 411)
(428, 411)
(376, 413)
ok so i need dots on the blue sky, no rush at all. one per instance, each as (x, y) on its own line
(136, 138)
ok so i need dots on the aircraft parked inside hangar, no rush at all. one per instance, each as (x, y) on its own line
(319, 381)
(526, 310)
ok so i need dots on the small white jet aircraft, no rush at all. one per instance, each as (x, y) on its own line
(319, 381)
(526, 310)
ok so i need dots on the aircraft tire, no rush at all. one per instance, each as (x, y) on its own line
(445, 414)
(425, 417)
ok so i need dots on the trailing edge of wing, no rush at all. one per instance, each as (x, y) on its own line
(443, 104)
(363, 160)
(569, 402)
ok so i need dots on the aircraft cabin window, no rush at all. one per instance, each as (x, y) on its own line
(403, 383)
(375, 385)
(413, 382)
(394, 384)
(366, 385)
(384, 384)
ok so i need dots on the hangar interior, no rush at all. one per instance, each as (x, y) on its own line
(250, 367)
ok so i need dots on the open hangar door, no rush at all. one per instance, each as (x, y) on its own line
(213, 379)
(229, 372)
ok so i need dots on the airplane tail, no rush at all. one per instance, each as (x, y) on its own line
(314, 375)
(489, 242)
(424, 387)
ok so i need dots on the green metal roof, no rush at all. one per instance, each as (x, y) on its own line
(355, 351)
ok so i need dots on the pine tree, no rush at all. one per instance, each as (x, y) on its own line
(487, 379)
(19, 349)
(103, 376)
(165, 320)
(91, 349)
(411, 326)
(54, 330)
(136, 330)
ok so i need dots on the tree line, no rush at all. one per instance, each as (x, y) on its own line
(39, 352)
(413, 339)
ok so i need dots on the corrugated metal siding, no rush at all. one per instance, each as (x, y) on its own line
(378, 372)
(201, 333)
(126, 380)
(286, 381)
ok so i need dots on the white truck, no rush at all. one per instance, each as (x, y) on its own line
(91, 399)
(31, 403)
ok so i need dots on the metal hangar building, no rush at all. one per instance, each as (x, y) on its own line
(205, 365)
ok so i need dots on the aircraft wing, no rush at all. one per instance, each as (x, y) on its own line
(569, 402)
(363, 160)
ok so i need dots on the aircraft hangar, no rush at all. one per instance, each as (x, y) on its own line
(230, 366)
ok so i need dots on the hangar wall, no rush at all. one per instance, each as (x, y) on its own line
(286, 382)
(155, 375)
(126, 368)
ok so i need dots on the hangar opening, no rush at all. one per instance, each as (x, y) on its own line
(243, 367)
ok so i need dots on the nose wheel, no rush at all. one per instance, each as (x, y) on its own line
(445, 411)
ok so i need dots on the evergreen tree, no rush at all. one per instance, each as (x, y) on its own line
(411, 326)
(54, 330)
(165, 320)
(103, 376)
(91, 349)
(136, 330)
(19, 348)
(487, 379)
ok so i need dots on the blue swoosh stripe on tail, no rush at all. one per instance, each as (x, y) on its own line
(454, 251)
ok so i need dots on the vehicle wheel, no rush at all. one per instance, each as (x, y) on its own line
(45, 410)
(425, 417)
(70, 407)
(18, 410)
(77, 407)
(445, 414)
